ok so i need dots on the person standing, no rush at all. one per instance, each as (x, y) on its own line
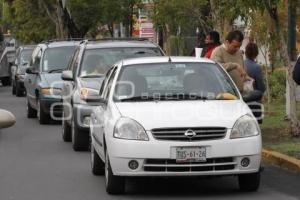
(253, 69)
(231, 58)
(212, 40)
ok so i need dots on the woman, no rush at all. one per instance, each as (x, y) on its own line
(212, 40)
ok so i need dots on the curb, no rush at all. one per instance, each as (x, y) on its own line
(281, 160)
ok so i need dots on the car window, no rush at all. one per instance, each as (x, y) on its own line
(36, 58)
(57, 58)
(104, 82)
(98, 61)
(173, 81)
(108, 85)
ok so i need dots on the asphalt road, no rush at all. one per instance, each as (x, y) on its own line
(35, 164)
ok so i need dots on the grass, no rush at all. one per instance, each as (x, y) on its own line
(276, 133)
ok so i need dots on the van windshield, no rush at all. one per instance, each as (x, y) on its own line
(98, 61)
(56, 59)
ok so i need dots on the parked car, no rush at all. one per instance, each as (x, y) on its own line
(7, 119)
(174, 116)
(85, 73)
(23, 57)
(43, 81)
(6, 62)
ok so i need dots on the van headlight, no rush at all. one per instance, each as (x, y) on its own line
(129, 129)
(246, 126)
(51, 91)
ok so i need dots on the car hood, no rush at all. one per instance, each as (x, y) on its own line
(93, 83)
(52, 80)
(184, 113)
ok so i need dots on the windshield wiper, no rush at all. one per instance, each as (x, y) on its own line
(178, 97)
(55, 70)
(138, 98)
(92, 76)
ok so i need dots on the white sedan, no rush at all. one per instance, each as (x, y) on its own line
(173, 116)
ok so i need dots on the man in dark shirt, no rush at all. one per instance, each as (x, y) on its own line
(296, 72)
(253, 69)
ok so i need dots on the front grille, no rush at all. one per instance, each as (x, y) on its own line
(178, 134)
(170, 165)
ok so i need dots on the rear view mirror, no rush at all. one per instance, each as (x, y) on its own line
(7, 119)
(30, 71)
(67, 75)
(254, 95)
(97, 99)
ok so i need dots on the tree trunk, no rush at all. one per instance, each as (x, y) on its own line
(294, 124)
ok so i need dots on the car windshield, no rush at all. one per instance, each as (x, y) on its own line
(98, 61)
(56, 59)
(173, 81)
(24, 58)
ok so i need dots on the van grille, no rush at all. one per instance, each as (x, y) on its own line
(179, 134)
(170, 165)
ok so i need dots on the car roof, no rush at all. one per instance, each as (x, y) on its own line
(53, 44)
(165, 59)
(119, 44)
(24, 47)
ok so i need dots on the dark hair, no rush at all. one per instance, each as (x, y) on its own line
(235, 35)
(215, 36)
(251, 50)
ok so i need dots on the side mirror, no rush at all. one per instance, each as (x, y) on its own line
(254, 95)
(30, 71)
(67, 75)
(7, 119)
(95, 99)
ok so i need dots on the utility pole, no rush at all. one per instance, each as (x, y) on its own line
(291, 44)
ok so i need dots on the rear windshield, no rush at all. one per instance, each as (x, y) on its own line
(57, 58)
(98, 61)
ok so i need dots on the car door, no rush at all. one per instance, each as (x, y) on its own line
(101, 111)
(68, 87)
(32, 78)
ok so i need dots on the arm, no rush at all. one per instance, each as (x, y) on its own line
(217, 57)
(296, 72)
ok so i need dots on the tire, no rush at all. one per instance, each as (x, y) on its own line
(80, 139)
(43, 117)
(249, 182)
(66, 130)
(13, 91)
(6, 81)
(114, 184)
(19, 92)
(31, 113)
(98, 166)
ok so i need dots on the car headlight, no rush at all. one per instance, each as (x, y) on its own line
(51, 91)
(20, 77)
(85, 92)
(246, 126)
(129, 129)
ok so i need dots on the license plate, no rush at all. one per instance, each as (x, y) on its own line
(190, 154)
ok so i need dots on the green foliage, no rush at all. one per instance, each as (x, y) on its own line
(187, 14)
(29, 22)
(177, 46)
(277, 83)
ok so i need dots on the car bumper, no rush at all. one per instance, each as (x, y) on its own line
(158, 158)
(52, 106)
(82, 115)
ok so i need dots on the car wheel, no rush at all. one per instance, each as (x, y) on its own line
(249, 182)
(66, 129)
(96, 163)
(31, 113)
(6, 81)
(13, 91)
(80, 139)
(114, 184)
(43, 117)
(18, 91)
